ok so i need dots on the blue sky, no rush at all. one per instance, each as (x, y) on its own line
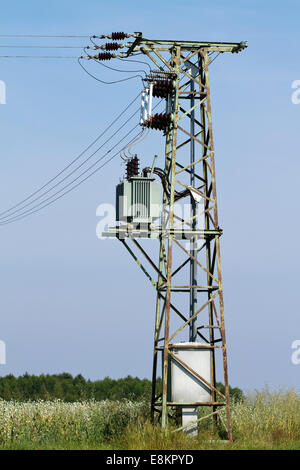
(71, 302)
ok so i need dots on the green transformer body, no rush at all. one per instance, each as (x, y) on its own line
(138, 200)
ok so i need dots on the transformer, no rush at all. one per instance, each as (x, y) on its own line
(138, 200)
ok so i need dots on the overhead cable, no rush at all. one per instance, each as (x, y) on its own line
(72, 162)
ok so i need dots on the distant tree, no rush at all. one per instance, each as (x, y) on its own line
(236, 394)
(65, 387)
(58, 391)
(5, 391)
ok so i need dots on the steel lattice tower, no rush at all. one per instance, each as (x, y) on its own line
(196, 302)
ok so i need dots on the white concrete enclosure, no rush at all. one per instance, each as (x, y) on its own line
(186, 387)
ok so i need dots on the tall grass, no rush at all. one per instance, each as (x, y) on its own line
(57, 423)
(267, 417)
(263, 420)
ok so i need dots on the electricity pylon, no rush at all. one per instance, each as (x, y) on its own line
(196, 299)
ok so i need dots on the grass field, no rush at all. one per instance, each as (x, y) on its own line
(262, 421)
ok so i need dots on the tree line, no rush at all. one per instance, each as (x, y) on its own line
(67, 388)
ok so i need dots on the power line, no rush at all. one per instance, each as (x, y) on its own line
(93, 42)
(217, 55)
(16, 219)
(102, 81)
(138, 61)
(134, 141)
(118, 70)
(38, 208)
(72, 162)
(40, 36)
(112, 68)
(31, 211)
(36, 57)
(8, 219)
(73, 171)
(39, 47)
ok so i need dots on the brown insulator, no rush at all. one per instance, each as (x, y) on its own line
(104, 56)
(129, 169)
(159, 121)
(162, 87)
(118, 36)
(135, 166)
(132, 167)
(111, 46)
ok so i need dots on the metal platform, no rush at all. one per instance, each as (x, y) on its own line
(123, 232)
